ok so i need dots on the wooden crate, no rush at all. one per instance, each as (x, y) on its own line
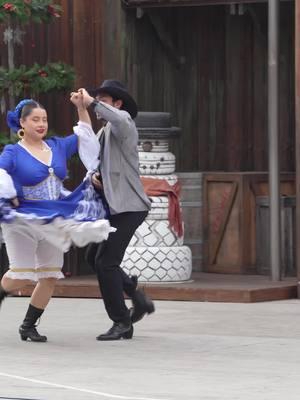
(191, 205)
(229, 208)
(288, 236)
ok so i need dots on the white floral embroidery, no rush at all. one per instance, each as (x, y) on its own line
(48, 189)
(91, 206)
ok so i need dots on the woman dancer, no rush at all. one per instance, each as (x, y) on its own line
(42, 224)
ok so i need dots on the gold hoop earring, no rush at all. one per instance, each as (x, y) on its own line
(20, 133)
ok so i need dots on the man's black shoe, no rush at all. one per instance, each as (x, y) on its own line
(119, 330)
(142, 305)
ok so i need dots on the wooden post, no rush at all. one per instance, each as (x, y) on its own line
(11, 65)
(273, 128)
(297, 114)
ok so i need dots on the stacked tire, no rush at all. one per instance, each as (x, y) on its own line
(156, 253)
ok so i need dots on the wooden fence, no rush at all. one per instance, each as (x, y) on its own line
(208, 67)
(203, 64)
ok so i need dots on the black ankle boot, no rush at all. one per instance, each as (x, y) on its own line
(119, 330)
(28, 328)
(142, 304)
(3, 294)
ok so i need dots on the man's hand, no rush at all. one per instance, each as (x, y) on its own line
(77, 99)
(96, 181)
(87, 99)
(15, 202)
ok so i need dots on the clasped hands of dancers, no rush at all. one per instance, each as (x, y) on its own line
(40, 220)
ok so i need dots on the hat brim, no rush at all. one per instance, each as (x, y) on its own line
(129, 104)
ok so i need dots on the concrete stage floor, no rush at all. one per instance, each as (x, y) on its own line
(184, 351)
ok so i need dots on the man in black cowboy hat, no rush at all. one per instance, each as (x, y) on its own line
(119, 179)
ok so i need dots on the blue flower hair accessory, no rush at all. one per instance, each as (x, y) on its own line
(13, 117)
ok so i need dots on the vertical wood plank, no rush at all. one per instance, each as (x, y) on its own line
(297, 88)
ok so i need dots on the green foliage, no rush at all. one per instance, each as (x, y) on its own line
(27, 10)
(5, 139)
(36, 79)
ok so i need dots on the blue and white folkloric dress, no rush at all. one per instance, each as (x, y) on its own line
(77, 218)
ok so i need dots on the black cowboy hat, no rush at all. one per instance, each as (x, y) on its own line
(118, 91)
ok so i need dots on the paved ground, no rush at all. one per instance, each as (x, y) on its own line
(185, 351)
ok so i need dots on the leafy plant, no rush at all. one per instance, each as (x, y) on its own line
(29, 81)
(36, 79)
(26, 10)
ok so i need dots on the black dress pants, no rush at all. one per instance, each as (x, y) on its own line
(106, 258)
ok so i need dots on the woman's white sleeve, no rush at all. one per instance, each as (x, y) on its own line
(7, 188)
(88, 145)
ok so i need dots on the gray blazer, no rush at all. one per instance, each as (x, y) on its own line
(119, 161)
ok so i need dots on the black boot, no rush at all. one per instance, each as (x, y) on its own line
(142, 304)
(119, 330)
(28, 328)
(3, 294)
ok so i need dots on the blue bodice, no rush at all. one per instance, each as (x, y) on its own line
(33, 179)
(48, 189)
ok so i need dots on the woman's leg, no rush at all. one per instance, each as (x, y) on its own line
(49, 261)
(43, 292)
(20, 246)
(39, 299)
(11, 285)
(8, 285)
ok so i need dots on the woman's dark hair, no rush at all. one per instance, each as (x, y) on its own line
(27, 109)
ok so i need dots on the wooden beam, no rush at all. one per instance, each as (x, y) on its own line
(297, 114)
(182, 3)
